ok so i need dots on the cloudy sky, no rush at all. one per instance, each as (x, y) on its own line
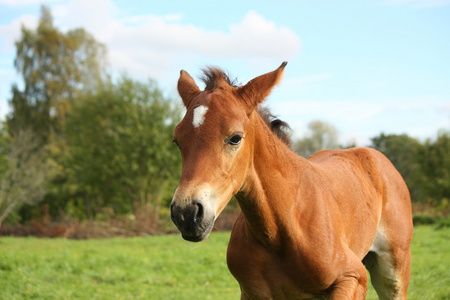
(364, 66)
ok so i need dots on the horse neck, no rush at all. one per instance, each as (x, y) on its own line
(270, 187)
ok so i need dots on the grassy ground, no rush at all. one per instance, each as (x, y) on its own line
(166, 267)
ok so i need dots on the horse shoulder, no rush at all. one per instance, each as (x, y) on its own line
(261, 271)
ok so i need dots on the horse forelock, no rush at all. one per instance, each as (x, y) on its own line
(212, 76)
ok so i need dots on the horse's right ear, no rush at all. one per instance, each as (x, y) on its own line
(257, 89)
(187, 88)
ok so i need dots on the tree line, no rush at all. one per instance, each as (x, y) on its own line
(78, 142)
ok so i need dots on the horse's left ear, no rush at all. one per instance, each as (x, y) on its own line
(187, 88)
(257, 89)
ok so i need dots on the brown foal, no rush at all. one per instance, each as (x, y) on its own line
(309, 227)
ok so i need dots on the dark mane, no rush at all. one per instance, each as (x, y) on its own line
(280, 128)
(213, 74)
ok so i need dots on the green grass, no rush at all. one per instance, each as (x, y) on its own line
(166, 267)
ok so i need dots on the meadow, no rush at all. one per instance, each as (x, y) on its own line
(166, 267)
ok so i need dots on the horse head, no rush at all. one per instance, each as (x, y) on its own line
(215, 138)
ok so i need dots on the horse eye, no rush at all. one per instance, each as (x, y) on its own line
(235, 140)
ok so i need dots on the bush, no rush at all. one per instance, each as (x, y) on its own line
(443, 223)
(423, 219)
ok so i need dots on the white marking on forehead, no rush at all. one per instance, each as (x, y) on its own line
(199, 115)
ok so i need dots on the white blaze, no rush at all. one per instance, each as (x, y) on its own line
(199, 115)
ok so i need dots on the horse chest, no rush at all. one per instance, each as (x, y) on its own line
(263, 275)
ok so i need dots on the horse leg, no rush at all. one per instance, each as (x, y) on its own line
(352, 285)
(389, 267)
(389, 257)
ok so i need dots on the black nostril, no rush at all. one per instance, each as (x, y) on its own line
(199, 215)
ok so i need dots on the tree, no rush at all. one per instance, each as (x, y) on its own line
(321, 136)
(435, 162)
(120, 155)
(22, 172)
(55, 69)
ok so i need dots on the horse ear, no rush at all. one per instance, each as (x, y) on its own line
(187, 88)
(257, 89)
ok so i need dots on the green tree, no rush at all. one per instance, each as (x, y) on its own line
(320, 136)
(55, 68)
(403, 151)
(435, 162)
(120, 155)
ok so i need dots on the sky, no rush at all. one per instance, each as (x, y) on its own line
(365, 67)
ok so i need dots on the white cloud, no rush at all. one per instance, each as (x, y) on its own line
(97, 17)
(164, 39)
(158, 46)
(254, 36)
(11, 32)
(151, 45)
(257, 36)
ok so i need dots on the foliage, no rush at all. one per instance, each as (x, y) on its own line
(435, 162)
(423, 219)
(321, 136)
(424, 166)
(166, 267)
(108, 144)
(55, 69)
(119, 153)
(22, 172)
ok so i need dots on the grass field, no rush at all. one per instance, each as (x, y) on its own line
(166, 267)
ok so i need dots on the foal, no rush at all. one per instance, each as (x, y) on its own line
(307, 225)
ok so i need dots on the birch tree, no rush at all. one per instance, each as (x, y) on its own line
(22, 172)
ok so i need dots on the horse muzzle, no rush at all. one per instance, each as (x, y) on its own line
(194, 220)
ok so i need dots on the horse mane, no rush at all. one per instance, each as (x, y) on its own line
(280, 128)
(212, 75)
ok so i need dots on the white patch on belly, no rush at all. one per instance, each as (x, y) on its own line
(384, 271)
(199, 115)
(380, 243)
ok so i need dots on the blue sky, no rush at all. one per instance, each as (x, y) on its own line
(365, 67)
